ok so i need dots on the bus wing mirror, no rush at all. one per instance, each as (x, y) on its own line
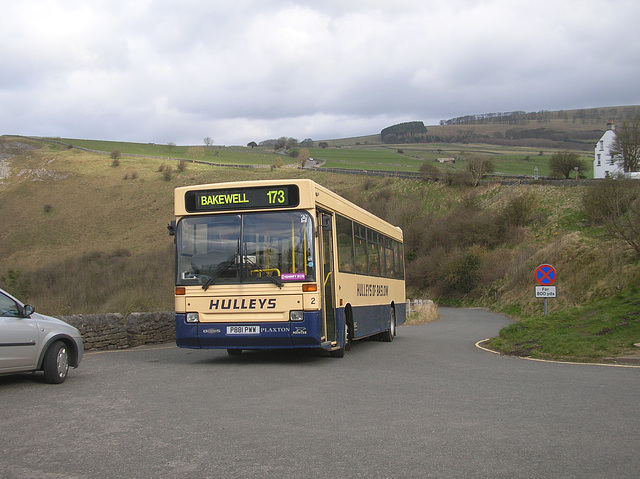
(172, 228)
(326, 222)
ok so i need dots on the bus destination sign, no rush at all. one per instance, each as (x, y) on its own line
(285, 196)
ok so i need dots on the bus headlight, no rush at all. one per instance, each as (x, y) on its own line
(296, 315)
(192, 317)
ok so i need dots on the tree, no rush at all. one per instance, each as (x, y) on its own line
(195, 152)
(280, 143)
(291, 143)
(303, 156)
(627, 144)
(479, 166)
(615, 204)
(208, 141)
(252, 144)
(564, 162)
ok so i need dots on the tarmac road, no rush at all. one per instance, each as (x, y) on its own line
(429, 404)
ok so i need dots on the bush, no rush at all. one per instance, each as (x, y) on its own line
(167, 173)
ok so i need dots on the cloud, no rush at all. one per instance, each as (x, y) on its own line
(249, 70)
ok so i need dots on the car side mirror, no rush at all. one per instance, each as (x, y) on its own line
(27, 310)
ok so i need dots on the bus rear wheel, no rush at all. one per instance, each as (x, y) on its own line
(387, 336)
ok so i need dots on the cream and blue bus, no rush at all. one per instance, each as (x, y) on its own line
(283, 264)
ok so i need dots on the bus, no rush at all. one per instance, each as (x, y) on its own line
(283, 264)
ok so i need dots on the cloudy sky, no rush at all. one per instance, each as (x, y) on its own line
(248, 70)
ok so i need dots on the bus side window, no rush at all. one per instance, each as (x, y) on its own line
(360, 239)
(344, 229)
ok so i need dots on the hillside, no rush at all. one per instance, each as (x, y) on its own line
(82, 235)
(564, 129)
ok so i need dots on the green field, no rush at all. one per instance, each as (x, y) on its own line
(515, 161)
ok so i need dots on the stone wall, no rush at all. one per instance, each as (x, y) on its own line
(116, 331)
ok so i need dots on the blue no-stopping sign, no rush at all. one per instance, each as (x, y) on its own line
(545, 274)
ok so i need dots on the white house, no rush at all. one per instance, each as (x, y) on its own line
(603, 164)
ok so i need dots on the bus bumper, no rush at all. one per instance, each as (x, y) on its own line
(258, 335)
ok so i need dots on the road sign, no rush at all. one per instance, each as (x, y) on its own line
(545, 274)
(546, 292)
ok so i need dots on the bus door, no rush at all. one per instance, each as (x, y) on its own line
(325, 233)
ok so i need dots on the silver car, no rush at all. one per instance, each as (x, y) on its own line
(34, 342)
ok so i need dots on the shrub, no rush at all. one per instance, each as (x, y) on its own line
(462, 272)
(167, 173)
(182, 165)
(519, 210)
(429, 171)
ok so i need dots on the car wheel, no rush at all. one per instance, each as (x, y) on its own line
(56, 363)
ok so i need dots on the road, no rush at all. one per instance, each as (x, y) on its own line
(428, 405)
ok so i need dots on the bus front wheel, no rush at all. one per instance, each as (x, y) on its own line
(346, 345)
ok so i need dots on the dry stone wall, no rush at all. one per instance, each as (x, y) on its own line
(117, 331)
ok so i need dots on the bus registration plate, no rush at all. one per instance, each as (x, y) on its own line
(243, 329)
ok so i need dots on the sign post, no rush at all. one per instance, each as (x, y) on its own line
(546, 276)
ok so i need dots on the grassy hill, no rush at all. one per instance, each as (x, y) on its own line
(84, 234)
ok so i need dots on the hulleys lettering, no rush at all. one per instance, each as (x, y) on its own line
(242, 303)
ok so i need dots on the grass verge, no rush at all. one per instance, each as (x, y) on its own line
(602, 329)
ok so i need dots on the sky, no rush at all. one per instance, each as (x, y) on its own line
(160, 71)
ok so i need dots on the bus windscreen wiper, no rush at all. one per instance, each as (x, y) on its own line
(273, 279)
(222, 267)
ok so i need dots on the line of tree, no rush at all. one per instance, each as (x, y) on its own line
(587, 115)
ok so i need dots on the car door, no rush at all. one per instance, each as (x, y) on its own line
(18, 337)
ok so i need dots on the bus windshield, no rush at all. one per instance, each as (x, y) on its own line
(245, 248)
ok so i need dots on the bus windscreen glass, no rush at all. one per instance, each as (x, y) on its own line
(245, 248)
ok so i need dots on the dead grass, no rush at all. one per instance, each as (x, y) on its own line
(426, 312)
